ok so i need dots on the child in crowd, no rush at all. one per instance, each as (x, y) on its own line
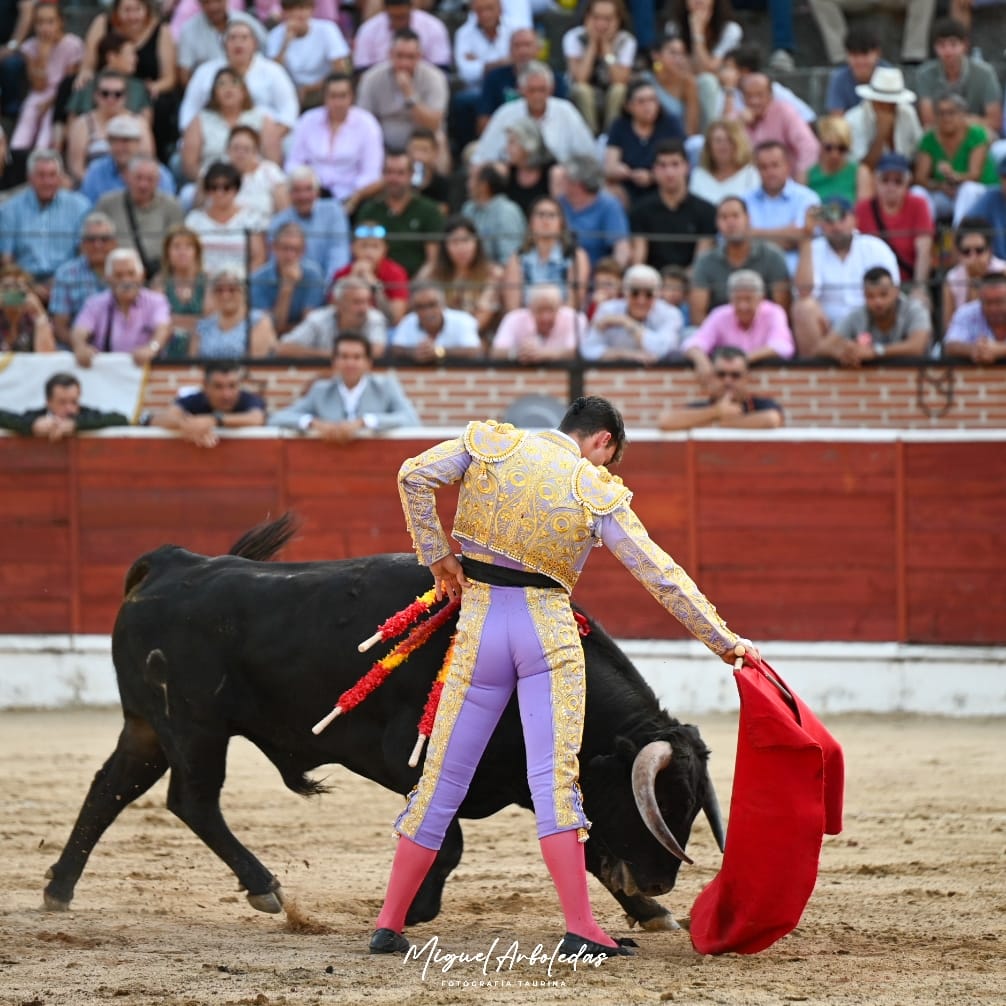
(674, 289)
(606, 284)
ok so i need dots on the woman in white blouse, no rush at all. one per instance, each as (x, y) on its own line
(725, 167)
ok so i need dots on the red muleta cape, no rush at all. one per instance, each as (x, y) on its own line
(787, 795)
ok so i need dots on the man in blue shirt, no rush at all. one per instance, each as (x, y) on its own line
(288, 285)
(594, 216)
(862, 57)
(40, 227)
(322, 221)
(108, 173)
(992, 208)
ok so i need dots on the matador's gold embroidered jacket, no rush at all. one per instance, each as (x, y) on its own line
(530, 500)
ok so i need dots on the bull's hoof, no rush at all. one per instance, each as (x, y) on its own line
(658, 924)
(271, 901)
(50, 903)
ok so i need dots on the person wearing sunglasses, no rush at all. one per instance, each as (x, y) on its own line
(834, 174)
(728, 400)
(388, 281)
(888, 324)
(975, 259)
(640, 326)
(83, 276)
(750, 322)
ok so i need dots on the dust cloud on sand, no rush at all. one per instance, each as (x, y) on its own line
(910, 906)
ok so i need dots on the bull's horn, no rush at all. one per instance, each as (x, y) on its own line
(651, 760)
(711, 806)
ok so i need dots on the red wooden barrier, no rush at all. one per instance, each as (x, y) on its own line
(808, 540)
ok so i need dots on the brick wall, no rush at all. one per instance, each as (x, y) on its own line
(930, 397)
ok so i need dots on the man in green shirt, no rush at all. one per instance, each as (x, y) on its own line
(414, 224)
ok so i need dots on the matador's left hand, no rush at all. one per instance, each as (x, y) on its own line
(448, 576)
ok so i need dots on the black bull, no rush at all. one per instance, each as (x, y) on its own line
(209, 648)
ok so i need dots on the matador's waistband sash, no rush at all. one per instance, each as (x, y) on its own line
(504, 576)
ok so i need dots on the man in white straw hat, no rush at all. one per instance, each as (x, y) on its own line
(885, 121)
(830, 18)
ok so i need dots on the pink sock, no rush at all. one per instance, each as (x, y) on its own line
(412, 863)
(563, 855)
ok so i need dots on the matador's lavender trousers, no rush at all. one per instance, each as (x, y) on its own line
(507, 637)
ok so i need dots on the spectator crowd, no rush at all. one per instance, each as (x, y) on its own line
(219, 181)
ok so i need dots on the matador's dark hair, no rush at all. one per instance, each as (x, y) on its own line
(591, 414)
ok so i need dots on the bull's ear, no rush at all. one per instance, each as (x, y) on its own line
(626, 749)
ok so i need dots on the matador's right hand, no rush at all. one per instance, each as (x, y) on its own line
(448, 576)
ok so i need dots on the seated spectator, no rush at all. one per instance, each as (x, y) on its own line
(500, 85)
(90, 142)
(375, 37)
(549, 254)
(914, 42)
(544, 330)
(40, 226)
(51, 54)
(769, 120)
(232, 332)
(184, 282)
(323, 222)
(673, 225)
(528, 162)
(288, 285)
(595, 217)
(674, 80)
(887, 324)
(201, 37)
(599, 58)
(639, 326)
(902, 219)
(729, 402)
(221, 405)
(498, 220)
(230, 105)
(974, 260)
(140, 22)
(142, 215)
(884, 122)
(633, 142)
(76, 280)
(562, 127)
(309, 49)
(725, 167)
(829, 278)
(749, 322)
(605, 284)
(953, 72)
(404, 92)
(126, 318)
(747, 59)
(231, 235)
(387, 280)
(977, 331)
(350, 311)
(62, 416)
(117, 55)
(412, 223)
(707, 31)
(24, 325)
(862, 57)
(263, 185)
(953, 163)
(108, 174)
(469, 280)
(433, 332)
(736, 250)
(481, 45)
(354, 402)
(424, 153)
(268, 83)
(341, 143)
(834, 174)
(779, 206)
(992, 207)
(675, 287)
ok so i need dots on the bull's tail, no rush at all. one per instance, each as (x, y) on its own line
(264, 540)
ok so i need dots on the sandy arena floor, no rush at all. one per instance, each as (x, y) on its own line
(910, 905)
